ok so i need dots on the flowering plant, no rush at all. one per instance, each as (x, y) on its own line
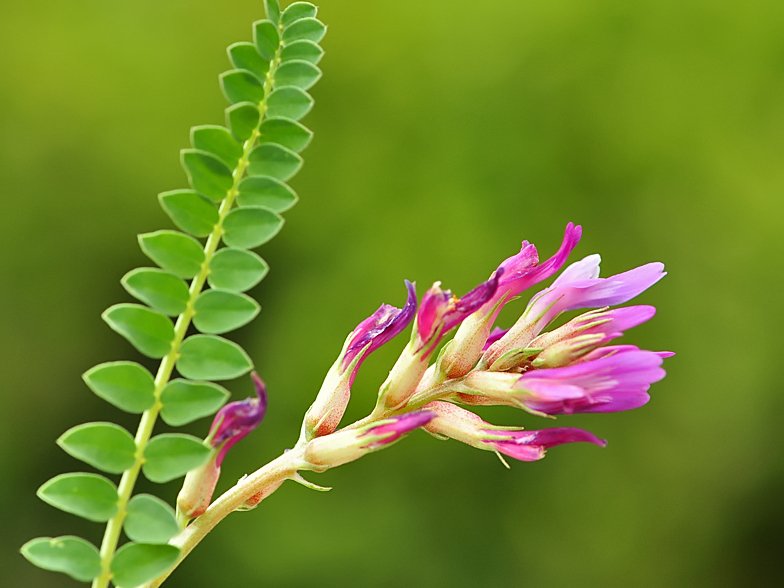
(237, 175)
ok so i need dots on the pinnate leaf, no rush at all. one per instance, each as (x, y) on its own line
(296, 11)
(308, 29)
(185, 401)
(236, 269)
(265, 36)
(218, 141)
(271, 159)
(246, 56)
(220, 311)
(90, 496)
(242, 119)
(172, 455)
(150, 520)
(208, 357)
(147, 330)
(70, 555)
(137, 563)
(190, 211)
(163, 291)
(297, 72)
(285, 132)
(105, 446)
(240, 85)
(267, 192)
(304, 50)
(289, 102)
(207, 174)
(180, 254)
(125, 384)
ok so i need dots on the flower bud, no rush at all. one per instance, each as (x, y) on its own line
(198, 488)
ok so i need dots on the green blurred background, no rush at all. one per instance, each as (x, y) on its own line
(445, 133)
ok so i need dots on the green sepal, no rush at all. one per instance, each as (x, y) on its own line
(236, 269)
(218, 141)
(158, 288)
(105, 446)
(272, 10)
(289, 102)
(209, 357)
(245, 56)
(137, 563)
(181, 254)
(296, 11)
(242, 119)
(240, 85)
(271, 159)
(68, 554)
(297, 72)
(308, 29)
(207, 174)
(190, 211)
(267, 192)
(220, 311)
(185, 401)
(251, 226)
(89, 496)
(286, 132)
(513, 358)
(172, 455)
(125, 384)
(147, 330)
(265, 36)
(304, 50)
(150, 520)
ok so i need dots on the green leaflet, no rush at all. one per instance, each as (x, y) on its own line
(150, 520)
(304, 50)
(220, 311)
(185, 401)
(159, 289)
(285, 132)
(207, 174)
(267, 192)
(208, 357)
(251, 226)
(190, 211)
(105, 446)
(265, 36)
(289, 102)
(296, 11)
(137, 563)
(299, 73)
(90, 496)
(180, 254)
(240, 85)
(271, 159)
(272, 10)
(70, 555)
(219, 142)
(125, 384)
(306, 29)
(172, 455)
(242, 119)
(236, 269)
(246, 56)
(147, 330)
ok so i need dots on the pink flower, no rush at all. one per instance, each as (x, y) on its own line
(235, 420)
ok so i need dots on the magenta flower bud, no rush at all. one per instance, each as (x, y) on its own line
(196, 493)
(235, 420)
(465, 426)
(348, 445)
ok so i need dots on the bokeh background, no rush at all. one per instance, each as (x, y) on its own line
(445, 133)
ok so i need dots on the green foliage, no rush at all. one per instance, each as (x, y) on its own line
(90, 496)
(70, 555)
(150, 520)
(137, 563)
(172, 455)
(125, 384)
(185, 401)
(105, 446)
(237, 176)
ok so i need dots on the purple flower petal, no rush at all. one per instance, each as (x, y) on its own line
(235, 420)
(495, 335)
(399, 426)
(531, 445)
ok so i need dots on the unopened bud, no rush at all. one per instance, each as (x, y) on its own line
(198, 488)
